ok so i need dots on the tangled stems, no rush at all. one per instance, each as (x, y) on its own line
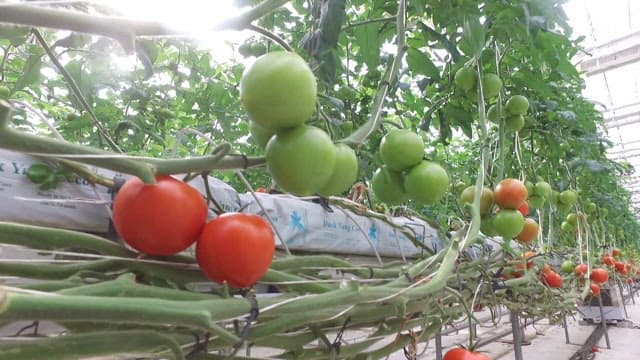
(143, 167)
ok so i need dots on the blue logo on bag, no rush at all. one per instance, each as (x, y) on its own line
(297, 224)
(373, 233)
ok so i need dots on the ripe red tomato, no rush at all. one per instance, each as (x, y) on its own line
(599, 275)
(620, 268)
(510, 193)
(524, 208)
(615, 252)
(629, 281)
(161, 219)
(594, 348)
(529, 232)
(595, 289)
(236, 248)
(607, 260)
(464, 354)
(580, 270)
(553, 279)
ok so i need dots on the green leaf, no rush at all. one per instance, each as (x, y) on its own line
(369, 43)
(30, 71)
(473, 33)
(420, 63)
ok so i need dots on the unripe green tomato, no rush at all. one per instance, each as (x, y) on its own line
(388, 186)
(514, 123)
(465, 79)
(401, 149)
(345, 172)
(426, 182)
(508, 223)
(491, 85)
(517, 105)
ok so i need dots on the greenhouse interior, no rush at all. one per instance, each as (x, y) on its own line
(320, 179)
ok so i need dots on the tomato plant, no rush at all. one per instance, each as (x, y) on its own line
(344, 173)
(236, 248)
(160, 219)
(553, 279)
(388, 186)
(580, 270)
(426, 182)
(486, 199)
(279, 90)
(524, 208)
(464, 354)
(567, 267)
(510, 193)
(599, 275)
(508, 223)
(301, 160)
(401, 149)
(529, 231)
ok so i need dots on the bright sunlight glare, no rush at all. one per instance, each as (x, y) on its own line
(196, 17)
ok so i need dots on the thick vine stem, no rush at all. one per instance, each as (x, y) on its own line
(375, 119)
(121, 29)
(94, 344)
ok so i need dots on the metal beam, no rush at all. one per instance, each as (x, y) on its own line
(612, 54)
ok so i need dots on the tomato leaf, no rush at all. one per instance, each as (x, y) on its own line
(31, 71)
(369, 43)
(421, 63)
(474, 34)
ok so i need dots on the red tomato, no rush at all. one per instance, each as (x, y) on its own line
(546, 268)
(615, 252)
(595, 289)
(524, 208)
(629, 281)
(464, 354)
(599, 275)
(510, 193)
(594, 348)
(236, 248)
(553, 279)
(607, 260)
(161, 219)
(580, 270)
(619, 266)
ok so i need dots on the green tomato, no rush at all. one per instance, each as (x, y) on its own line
(517, 105)
(345, 171)
(508, 223)
(388, 186)
(572, 219)
(426, 182)
(514, 123)
(530, 187)
(301, 160)
(536, 202)
(279, 90)
(542, 188)
(568, 197)
(491, 85)
(487, 227)
(4, 92)
(567, 226)
(567, 267)
(465, 78)
(260, 134)
(486, 199)
(591, 207)
(401, 149)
